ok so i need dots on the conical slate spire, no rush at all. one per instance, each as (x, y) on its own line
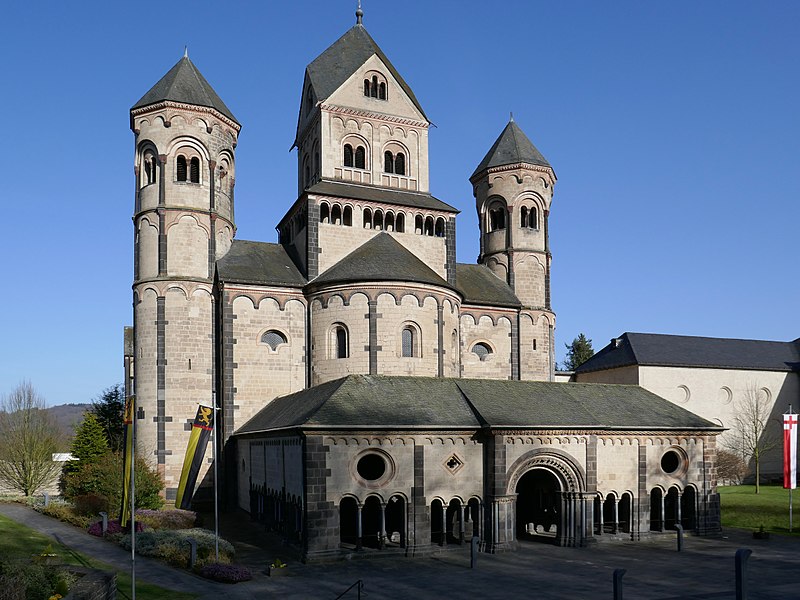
(512, 147)
(184, 83)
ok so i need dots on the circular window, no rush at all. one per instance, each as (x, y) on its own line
(372, 468)
(671, 461)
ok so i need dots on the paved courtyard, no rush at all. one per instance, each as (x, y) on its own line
(655, 570)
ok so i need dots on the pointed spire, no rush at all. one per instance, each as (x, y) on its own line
(359, 14)
(186, 51)
(511, 117)
(512, 147)
(184, 83)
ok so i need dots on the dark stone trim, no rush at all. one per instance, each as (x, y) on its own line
(515, 363)
(161, 378)
(547, 260)
(642, 515)
(212, 245)
(419, 534)
(228, 366)
(512, 281)
(440, 336)
(312, 240)
(320, 517)
(135, 251)
(162, 180)
(450, 250)
(162, 243)
(137, 203)
(373, 336)
(591, 464)
(212, 202)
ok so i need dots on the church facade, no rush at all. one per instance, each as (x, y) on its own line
(371, 390)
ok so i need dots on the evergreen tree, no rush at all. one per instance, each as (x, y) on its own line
(89, 444)
(578, 352)
(108, 409)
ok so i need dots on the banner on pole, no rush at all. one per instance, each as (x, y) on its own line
(790, 451)
(127, 463)
(195, 451)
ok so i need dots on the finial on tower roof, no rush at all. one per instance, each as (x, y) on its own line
(359, 14)
(511, 117)
(186, 51)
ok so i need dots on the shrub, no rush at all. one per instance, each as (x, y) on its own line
(167, 519)
(225, 573)
(113, 528)
(32, 580)
(104, 478)
(90, 505)
(172, 546)
(64, 512)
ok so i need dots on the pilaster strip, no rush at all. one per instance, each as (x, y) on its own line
(515, 366)
(312, 243)
(450, 250)
(162, 243)
(373, 336)
(161, 379)
(440, 336)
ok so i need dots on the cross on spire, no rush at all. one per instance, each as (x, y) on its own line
(359, 14)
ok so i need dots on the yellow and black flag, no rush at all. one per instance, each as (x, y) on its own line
(127, 463)
(198, 440)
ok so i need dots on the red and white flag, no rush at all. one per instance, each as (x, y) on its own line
(790, 451)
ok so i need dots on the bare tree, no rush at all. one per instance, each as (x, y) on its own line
(750, 436)
(28, 439)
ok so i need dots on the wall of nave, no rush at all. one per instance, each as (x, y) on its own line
(486, 344)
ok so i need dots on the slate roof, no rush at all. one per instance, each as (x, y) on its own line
(512, 147)
(650, 349)
(383, 402)
(333, 67)
(259, 263)
(184, 83)
(337, 189)
(380, 259)
(479, 285)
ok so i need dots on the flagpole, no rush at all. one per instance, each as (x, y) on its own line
(133, 501)
(790, 489)
(216, 496)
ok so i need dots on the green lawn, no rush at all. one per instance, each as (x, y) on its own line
(18, 541)
(743, 508)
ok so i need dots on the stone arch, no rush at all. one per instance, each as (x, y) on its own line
(568, 473)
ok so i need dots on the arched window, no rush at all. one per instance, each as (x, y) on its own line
(377, 220)
(348, 155)
(373, 90)
(361, 158)
(324, 213)
(497, 217)
(180, 167)
(388, 221)
(388, 162)
(149, 164)
(194, 170)
(382, 91)
(418, 225)
(366, 88)
(367, 218)
(523, 216)
(482, 350)
(533, 218)
(409, 342)
(439, 227)
(400, 223)
(429, 226)
(273, 339)
(340, 343)
(336, 215)
(347, 218)
(400, 164)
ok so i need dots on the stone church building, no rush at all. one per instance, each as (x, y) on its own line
(373, 393)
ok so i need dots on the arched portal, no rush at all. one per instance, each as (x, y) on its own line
(348, 521)
(538, 506)
(625, 514)
(455, 522)
(396, 521)
(437, 523)
(610, 520)
(672, 508)
(689, 508)
(371, 523)
(656, 510)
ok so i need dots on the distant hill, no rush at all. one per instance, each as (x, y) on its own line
(67, 417)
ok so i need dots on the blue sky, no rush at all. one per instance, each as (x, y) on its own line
(673, 129)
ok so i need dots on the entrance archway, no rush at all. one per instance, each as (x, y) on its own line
(689, 508)
(396, 521)
(538, 506)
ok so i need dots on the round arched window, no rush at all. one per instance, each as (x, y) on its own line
(673, 462)
(372, 468)
(482, 350)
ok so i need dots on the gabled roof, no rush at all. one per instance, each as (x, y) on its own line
(380, 259)
(511, 148)
(383, 402)
(651, 349)
(333, 67)
(259, 263)
(479, 285)
(338, 189)
(184, 83)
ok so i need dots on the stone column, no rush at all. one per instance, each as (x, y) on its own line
(678, 517)
(615, 529)
(461, 525)
(382, 534)
(663, 513)
(358, 529)
(443, 539)
(600, 528)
